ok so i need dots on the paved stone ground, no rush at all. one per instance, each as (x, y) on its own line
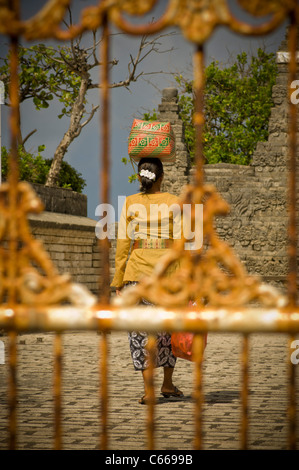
(174, 418)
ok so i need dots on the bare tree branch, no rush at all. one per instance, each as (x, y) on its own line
(92, 113)
(27, 137)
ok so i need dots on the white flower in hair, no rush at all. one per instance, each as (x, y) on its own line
(148, 174)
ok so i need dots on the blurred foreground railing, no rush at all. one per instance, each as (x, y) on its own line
(63, 319)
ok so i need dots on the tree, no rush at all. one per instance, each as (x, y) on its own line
(65, 72)
(238, 101)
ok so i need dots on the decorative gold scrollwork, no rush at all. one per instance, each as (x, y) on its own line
(27, 274)
(41, 25)
(135, 7)
(196, 18)
(211, 276)
(266, 7)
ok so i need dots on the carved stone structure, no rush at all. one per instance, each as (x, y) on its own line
(178, 175)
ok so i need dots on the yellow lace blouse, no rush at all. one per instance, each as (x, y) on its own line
(144, 216)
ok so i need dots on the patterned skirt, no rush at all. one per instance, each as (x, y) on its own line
(139, 353)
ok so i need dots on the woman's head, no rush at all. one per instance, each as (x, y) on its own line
(150, 170)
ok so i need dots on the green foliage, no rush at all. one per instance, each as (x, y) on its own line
(150, 116)
(238, 101)
(132, 177)
(69, 177)
(45, 73)
(34, 168)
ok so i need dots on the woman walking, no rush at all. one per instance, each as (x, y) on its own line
(150, 221)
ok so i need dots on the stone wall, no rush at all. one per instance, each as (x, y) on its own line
(256, 226)
(68, 238)
(61, 200)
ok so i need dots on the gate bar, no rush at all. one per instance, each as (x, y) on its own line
(104, 281)
(244, 392)
(57, 392)
(292, 229)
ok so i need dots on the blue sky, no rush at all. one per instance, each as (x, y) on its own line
(84, 153)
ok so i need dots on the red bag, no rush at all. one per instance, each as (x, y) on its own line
(181, 344)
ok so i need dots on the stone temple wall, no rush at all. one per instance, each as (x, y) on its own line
(257, 226)
(176, 175)
(68, 235)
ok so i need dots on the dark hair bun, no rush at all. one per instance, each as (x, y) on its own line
(151, 166)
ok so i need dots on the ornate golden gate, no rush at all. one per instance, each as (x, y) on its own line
(34, 297)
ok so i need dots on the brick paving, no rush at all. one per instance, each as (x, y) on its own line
(174, 418)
